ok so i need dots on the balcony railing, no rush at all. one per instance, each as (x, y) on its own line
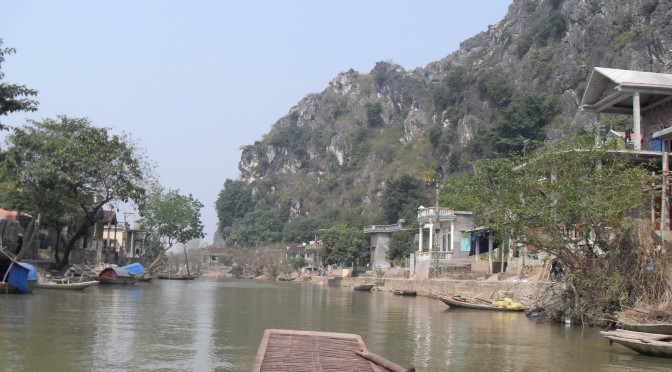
(382, 228)
(445, 214)
(430, 256)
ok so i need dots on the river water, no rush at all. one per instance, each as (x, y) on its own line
(217, 325)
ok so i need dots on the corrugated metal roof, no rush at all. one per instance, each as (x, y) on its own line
(629, 77)
(611, 89)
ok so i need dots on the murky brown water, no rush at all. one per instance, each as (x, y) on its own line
(216, 325)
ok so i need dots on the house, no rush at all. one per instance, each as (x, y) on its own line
(647, 97)
(295, 251)
(218, 255)
(379, 242)
(439, 238)
(442, 232)
(13, 224)
(110, 241)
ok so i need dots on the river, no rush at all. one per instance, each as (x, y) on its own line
(217, 325)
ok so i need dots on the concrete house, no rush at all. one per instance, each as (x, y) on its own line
(647, 98)
(379, 242)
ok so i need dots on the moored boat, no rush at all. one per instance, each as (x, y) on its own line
(651, 344)
(458, 301)
(404, 292)
(363, 287)
(116, 275)
(67, 285)
(15, 276)
(659, 328)
(177, 276)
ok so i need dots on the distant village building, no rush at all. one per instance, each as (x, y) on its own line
(379, 242)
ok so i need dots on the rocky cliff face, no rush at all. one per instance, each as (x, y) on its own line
(335, 149)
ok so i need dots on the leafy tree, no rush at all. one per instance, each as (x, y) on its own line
(450, 92)
(438, 139)
(66, 170)
(302, 229)
(170, 218)
(233, 202)
(373, 114)
(522, 123)
(257, 227)
(580, 206)
(290, 136)
(497, 88)
(14, 97)
(402, 197)
(452, 196)
(343, 245)
(401, 245)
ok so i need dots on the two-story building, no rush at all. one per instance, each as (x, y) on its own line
(647, 97)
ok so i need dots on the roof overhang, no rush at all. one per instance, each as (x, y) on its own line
(611, 90)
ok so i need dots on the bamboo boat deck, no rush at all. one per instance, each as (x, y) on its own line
(298, 351)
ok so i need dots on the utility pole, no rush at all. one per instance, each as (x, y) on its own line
(123, 236)
(436, 237)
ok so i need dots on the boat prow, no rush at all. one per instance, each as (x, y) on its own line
(651, 344)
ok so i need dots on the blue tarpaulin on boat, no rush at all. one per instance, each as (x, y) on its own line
(20, 274)
(134, 268)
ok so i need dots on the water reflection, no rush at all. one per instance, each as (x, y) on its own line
(218, 324)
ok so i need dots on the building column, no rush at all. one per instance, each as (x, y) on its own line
(452, 236)
(636, 130)
(420, 240)
(490, 245)
(431, 237)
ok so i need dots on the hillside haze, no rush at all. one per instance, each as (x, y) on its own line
(514, 85)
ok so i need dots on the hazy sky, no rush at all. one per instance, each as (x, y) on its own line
(193, 81)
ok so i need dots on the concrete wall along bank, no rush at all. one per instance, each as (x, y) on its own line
(529, 293)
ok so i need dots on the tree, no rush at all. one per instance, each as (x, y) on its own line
(170, 218)
(522, 122)
(583, 207)
(14, 97)
(302, 229)
(342, 245)
(402, 197)
(233, 202)
(520, 127)
(66, 170)
(257, 227)
(401, 245)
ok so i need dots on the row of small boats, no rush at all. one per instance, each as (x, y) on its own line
(653, 339)
(20, 277)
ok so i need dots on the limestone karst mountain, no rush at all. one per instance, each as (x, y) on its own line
(517, 83)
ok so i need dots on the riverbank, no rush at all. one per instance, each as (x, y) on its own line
(529, 292)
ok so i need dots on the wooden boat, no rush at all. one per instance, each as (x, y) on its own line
(363, 287)
(15, 276)
(67, 285)
(659, 328)
(458, 301)
(404, 292)
(287, 350)
(652, 344)
(177, 277)
(116, 275)
(146, 277)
